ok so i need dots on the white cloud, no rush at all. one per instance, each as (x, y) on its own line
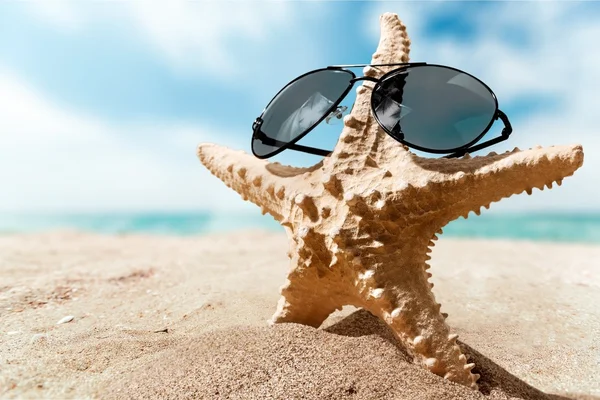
(555, 61)
(54, 159)
(61, 14)
(200, 34)
(221, 38)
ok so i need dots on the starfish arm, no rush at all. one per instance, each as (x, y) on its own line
(299, 308)
(401, 296)
(394, 44)
(255, 180)
(362, 139)
(313, 289)
(304, 301)
(467, 184)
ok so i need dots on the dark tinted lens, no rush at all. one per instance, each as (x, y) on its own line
(435, 108)
(298, 108)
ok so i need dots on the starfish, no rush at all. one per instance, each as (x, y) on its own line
(362, 221)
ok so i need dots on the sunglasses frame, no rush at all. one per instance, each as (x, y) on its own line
(257, 134)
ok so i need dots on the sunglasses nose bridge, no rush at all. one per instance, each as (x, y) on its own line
(364, 78)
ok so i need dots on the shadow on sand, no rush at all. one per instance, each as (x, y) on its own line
(493, 376)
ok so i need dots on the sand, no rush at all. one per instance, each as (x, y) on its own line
(167, 317)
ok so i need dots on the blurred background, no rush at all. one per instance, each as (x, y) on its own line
(102, 104)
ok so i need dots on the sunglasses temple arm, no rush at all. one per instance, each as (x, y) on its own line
(309, 150)
(478, 147)
(506, 131)
(298, 147)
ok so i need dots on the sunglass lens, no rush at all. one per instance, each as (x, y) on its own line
(298, 108)
(433, 107)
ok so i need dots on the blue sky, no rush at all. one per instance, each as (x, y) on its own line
(102, 104)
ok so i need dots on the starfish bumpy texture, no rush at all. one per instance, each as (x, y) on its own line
(362, 221)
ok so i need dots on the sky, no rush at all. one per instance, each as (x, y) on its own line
(102, 104)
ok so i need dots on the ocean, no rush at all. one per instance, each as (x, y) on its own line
(560, 227)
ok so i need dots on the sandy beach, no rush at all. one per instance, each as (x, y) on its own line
(186, 317)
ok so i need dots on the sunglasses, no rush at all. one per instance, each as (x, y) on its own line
(431, 108)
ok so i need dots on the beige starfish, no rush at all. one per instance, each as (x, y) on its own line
(362, 221)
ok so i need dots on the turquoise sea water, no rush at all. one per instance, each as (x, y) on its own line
(531, 226)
